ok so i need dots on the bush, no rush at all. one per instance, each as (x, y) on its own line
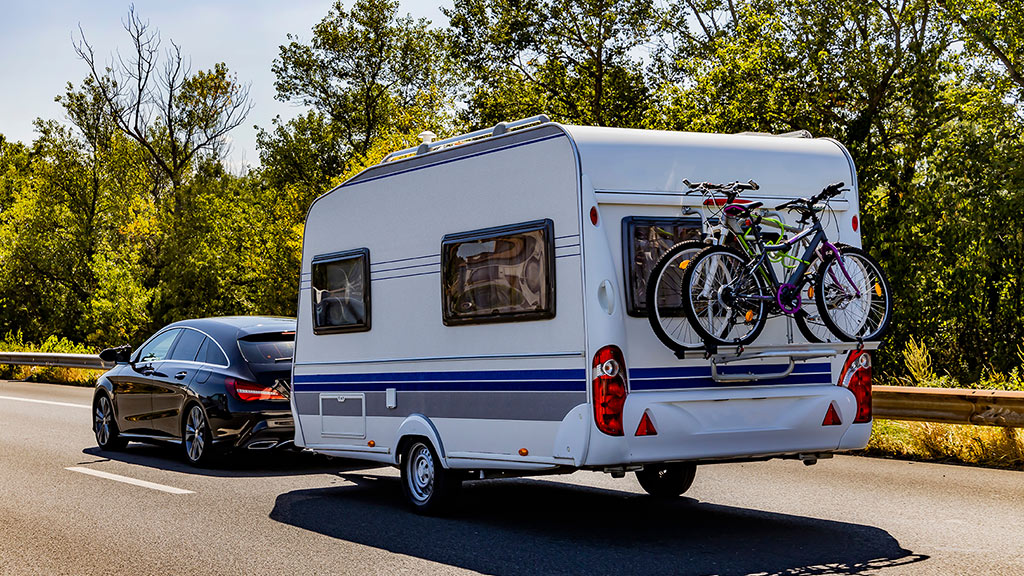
(14, 342)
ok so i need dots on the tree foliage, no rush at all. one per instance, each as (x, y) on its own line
(571, 58)
(123, 217)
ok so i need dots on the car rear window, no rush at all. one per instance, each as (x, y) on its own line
(268, 348)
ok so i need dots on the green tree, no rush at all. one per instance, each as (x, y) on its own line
(360, 68)
(574, 59)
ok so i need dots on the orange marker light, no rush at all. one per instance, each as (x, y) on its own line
(523, 452)
(371, 443)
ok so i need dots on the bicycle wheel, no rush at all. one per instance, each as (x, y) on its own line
(665, 298)
(808, 319)
(725, 303)
(853, 296)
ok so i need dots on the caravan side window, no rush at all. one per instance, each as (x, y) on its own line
(644, 240)
(504, 274)
(341, 292)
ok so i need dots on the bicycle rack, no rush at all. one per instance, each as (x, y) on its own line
(792, 352)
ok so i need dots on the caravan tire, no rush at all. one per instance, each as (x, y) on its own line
(666, 480)
(429, 487)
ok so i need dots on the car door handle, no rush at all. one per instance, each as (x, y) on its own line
(181, 375)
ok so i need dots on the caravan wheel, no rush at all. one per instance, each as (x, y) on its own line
(428, 486)
(666, 480)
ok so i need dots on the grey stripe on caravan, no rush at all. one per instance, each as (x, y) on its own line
(543, 406)
(331, 405)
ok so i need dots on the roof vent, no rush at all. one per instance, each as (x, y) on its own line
(426, 137)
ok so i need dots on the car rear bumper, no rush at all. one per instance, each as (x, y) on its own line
(257, 431)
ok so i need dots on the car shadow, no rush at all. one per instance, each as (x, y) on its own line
(512, 527)
(235, 464)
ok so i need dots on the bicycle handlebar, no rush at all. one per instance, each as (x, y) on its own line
(830, 191)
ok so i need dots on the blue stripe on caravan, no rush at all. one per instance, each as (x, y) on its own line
(566, 380)
(700, 376)
(705, 370)
(495, 375)
(448, 386)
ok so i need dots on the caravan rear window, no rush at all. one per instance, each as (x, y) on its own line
(644, 240)
(341, 292)
(504, 274)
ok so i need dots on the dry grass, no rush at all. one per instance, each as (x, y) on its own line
(962, 443)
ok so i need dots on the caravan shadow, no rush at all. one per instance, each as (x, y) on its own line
(533, 527)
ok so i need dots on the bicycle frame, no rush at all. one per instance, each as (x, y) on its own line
(817, 245)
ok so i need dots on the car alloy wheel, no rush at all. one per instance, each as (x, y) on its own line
(197, 435)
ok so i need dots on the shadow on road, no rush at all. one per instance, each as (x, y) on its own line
(540, 527)
(238, 464)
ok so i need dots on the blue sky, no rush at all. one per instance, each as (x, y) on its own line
(37, 59)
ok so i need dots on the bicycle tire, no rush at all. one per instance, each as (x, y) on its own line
(697, 272)
(869, 319)
(667, 317)
(808, 319)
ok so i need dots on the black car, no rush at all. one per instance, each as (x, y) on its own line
(210, 385)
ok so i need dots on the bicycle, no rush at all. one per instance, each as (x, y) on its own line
(664, 287)
(729, 294)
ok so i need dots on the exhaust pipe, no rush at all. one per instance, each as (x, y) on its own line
(262, 445)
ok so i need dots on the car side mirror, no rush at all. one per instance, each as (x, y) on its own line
(118, 355)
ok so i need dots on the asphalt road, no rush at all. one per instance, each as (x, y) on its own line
(299, 514)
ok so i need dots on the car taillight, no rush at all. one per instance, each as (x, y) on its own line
(247, 391)
(609, 390)
(856, 376)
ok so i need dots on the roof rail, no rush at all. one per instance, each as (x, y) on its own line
(428, 145)
(794, 134)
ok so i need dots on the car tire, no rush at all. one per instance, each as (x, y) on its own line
(429, 488)
(104, 424)
(666, 480)
(196, 438)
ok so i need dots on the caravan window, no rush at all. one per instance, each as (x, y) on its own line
(341, 292)
(644, 240)
(504, 274)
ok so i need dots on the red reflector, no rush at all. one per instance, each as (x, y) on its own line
(855, 223)
(609, 373)
(646, 427)
(248, 392)
(831, 417)
(593, 215)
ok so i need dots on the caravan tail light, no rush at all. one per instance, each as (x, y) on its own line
(609, 390)
(248, 392)
(856, 376)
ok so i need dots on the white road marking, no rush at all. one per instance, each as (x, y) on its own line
(50, 402)
(127, 480)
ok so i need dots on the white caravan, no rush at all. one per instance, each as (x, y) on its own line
(474, 307)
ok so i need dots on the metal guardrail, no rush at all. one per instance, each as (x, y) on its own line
(89, 361)
(948, 405)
